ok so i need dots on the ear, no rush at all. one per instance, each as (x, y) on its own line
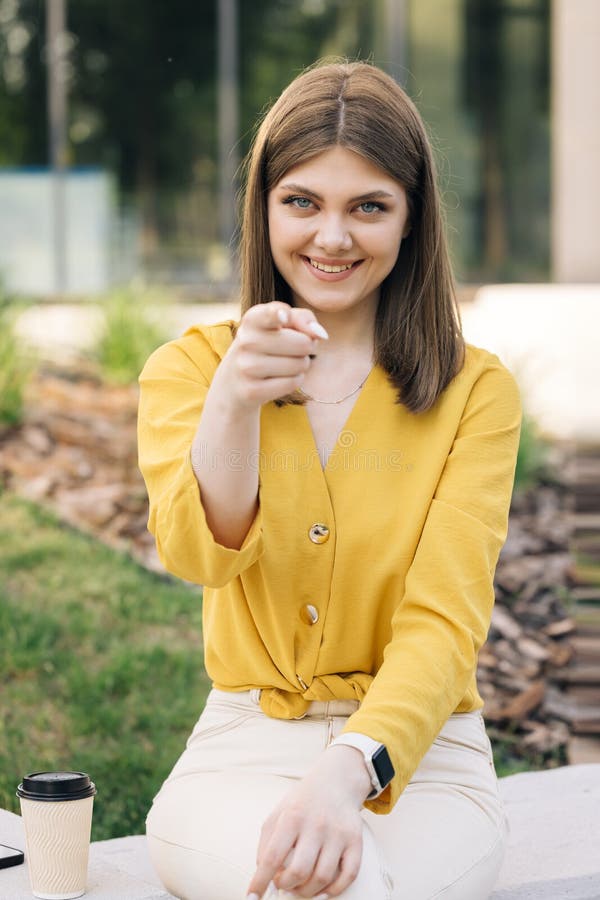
(407, 230)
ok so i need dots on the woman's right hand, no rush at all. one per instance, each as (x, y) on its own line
(270, 353)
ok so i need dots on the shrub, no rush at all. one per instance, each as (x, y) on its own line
(533, 456)
(132, 327)
(16, 366)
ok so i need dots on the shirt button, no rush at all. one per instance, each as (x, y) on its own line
(318, 533)
(309, 614)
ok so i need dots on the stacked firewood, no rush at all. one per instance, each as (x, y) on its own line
(538, 672)
(76, 452)
(530, 639)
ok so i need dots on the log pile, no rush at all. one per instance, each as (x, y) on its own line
(76, 452)
(530, 639)
(583, 684)
(539, 672)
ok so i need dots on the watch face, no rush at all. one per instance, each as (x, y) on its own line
(383, 766)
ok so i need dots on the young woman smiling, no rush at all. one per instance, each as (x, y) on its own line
(336, 469)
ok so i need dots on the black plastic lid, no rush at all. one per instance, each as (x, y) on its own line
(56, 786)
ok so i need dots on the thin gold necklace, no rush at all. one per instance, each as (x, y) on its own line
(341, 400)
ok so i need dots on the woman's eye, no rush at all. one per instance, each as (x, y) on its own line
(299, 202)
(370, 207)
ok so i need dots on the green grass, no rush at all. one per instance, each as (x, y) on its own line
(101, 666)
(510, 758)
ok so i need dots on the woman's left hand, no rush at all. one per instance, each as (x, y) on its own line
(312, 842)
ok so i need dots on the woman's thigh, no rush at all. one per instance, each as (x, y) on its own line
(446, 836)
(204, 825)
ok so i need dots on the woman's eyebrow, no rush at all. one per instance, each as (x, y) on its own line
(369, 195)
(297, 188)
(372, 195)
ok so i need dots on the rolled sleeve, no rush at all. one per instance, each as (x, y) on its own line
(173, 388)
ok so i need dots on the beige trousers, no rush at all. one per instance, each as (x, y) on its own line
(445, 837)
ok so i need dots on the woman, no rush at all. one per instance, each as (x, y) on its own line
(336, 469)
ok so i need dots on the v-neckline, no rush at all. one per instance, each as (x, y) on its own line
(345, 429)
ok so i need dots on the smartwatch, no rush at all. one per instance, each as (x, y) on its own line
(376, 757)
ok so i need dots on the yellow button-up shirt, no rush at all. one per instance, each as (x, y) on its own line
(368, 579)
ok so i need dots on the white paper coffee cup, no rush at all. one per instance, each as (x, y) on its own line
(57, 815)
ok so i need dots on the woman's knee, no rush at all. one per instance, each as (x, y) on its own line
(193, 874)
(203, 832)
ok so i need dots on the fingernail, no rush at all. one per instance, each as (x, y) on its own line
(252, 897)
(318, 330)
(322, 897)
(283, 318)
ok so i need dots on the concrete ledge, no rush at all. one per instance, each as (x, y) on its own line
(118, 869)
(553, 848)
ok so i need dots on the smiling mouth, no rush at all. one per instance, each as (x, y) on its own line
(335, 269)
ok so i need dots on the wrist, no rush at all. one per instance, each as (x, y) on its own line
(353, 770)
(228, 388)
(376, 758)
(224, 399)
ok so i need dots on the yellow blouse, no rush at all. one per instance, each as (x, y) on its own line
(370, 579)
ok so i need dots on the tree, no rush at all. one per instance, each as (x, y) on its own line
(142, 82)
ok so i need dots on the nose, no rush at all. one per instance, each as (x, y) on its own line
(333, 234)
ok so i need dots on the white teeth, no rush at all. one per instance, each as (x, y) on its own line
(324, 268)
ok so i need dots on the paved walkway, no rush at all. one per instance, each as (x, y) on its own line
(63, 329)
(547, 335)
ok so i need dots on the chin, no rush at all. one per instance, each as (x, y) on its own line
(326, 306)
(326, 303)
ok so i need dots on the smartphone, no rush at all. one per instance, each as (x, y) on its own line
(10, 857)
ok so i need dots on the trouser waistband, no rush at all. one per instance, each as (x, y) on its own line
(320, 709)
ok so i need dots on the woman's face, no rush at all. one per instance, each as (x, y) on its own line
(335, 225)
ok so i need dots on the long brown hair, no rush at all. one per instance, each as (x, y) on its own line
(418, 338)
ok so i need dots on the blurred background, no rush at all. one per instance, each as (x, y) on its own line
(123, 127)
(122, 130)
(147, 109)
